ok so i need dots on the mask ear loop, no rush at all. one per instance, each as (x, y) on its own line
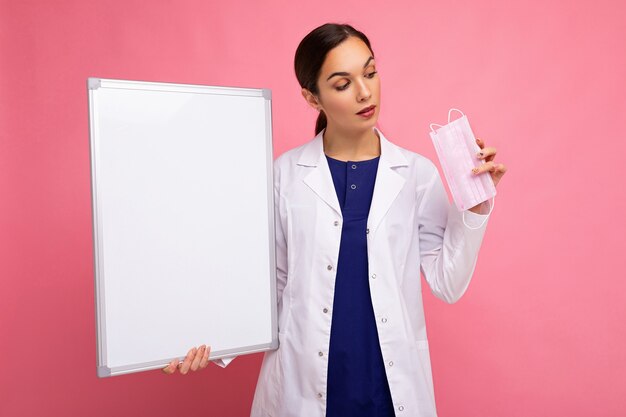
(449, 115)
(450, 111)
(493, 204)
(434, 124)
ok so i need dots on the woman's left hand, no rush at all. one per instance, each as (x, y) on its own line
(488, 154)
(495, 170)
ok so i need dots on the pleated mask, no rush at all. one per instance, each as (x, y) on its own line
(456, 149)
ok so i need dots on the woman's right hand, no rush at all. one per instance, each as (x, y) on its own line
(195, 359)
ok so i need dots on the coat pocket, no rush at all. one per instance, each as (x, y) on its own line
(268, 396)
(301, 222)
(421, 344)
(427, 391)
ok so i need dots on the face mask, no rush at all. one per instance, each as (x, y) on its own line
(457, 148)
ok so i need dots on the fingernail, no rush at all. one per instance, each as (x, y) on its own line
(475, 170)
(479, 154)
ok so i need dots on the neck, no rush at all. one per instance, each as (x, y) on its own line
(351, 146)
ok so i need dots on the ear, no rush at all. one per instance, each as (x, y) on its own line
(310, 99)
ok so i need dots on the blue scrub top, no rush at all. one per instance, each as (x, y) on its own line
(357, 383)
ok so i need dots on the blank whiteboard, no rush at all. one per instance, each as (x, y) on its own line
(183, 222)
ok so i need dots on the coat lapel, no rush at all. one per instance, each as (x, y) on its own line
(388, 181)
(387, 186)
(319, 179)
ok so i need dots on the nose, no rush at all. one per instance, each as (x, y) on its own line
(364, 92)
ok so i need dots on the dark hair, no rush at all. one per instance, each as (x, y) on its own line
(312, 52)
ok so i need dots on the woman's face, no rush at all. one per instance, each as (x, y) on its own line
(348, 83)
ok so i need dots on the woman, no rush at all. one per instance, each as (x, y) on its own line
(357, 219)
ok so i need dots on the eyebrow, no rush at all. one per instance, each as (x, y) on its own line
(347, 73)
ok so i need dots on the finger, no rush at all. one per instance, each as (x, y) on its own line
(171, 367)
(196, 360)
(488, 166)
(480, 143)
(487, 153)
(187, 362)
(500, 169)
(205, 359)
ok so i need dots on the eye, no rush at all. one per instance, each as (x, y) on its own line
(343, 87)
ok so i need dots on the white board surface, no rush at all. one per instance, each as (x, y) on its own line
(183, 221)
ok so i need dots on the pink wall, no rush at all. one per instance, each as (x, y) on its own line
(540, 331)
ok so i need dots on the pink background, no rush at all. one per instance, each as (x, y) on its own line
(540, 331)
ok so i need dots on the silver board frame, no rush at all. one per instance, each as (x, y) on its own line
(243, 327)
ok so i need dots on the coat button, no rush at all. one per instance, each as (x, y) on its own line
(336, 223)
(374, 276)
(325, 310)
(320, 353)
(329, 267)
(390, 363)
(384, 320)
(353, 166)
(401, 408)
(353, 186)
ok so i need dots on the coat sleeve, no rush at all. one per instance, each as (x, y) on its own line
(448, 248)
(281, 240)
(223, 362)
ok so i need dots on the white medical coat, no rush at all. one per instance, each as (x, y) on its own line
(411, 227)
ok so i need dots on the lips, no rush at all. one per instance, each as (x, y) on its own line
(366, 109)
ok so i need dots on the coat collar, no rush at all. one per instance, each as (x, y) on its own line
(387, 186)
